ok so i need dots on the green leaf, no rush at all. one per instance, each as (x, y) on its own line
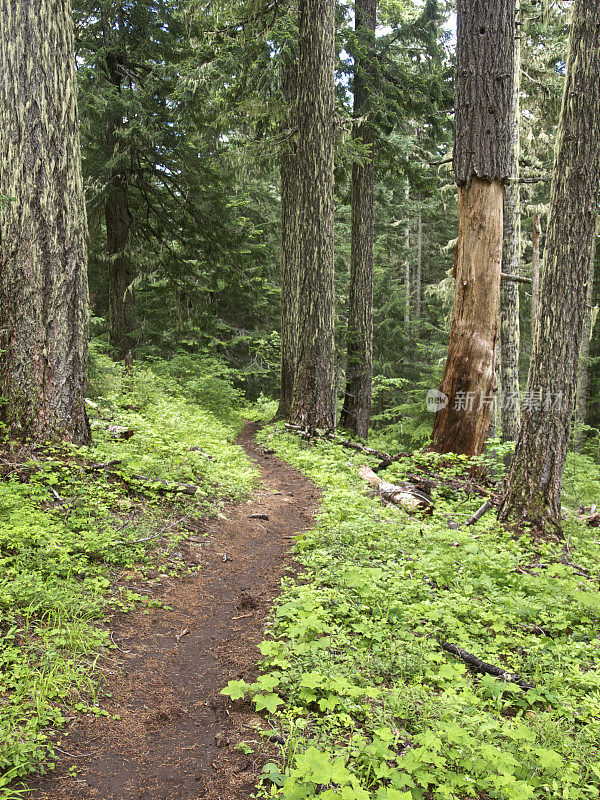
(235, 689)
(267, 702)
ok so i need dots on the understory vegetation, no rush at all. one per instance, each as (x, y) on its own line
(84, 529)
(369, 705)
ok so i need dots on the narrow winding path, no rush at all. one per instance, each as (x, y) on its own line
(176, 735)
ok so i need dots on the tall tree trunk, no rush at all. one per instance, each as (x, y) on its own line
(313, 404)
(121, 313)
(407, 268)
(482, 134)
(356, 411)
(535, 271)
(121, 300)
(534, 485)
(289, 262)
(509, 290)
(418, 274)
(582, 370)
(43, 283)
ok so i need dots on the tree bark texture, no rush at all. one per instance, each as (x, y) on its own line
(43, 284)
(534, 485)
(484, 90)
(407, 268)
(418, 274)
(582, 371)
(469, 380)
(535, 271)
(482, 144)
(356, 411)
(509, 290)
(313, 404)
(289, 240)
(121, 309)
(121, 300)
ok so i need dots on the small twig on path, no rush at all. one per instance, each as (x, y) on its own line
(72, 755)
(242, 616)
(120, 649)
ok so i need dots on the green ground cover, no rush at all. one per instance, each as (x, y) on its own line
(368, 704)
(68, 532)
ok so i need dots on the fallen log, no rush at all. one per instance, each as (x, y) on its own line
(406, 497)
(482, 666)
(387, 462)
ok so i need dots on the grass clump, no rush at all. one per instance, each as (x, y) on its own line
(70, 528)
(371, 707)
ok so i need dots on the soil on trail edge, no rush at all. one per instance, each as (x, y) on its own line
(175, 739)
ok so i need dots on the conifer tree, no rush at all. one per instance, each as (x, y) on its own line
(509, 290)
(43, 284)
(313, 402)
(356, 411)
(289, 239)
(484, 92)
(534, 485)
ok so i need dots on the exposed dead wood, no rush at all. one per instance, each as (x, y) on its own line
(407, 497)
(482, 666)
(104, 465)
(349, 443)
(480, 512)
(386, 462)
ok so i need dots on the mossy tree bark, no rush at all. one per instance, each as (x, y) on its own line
(509, 290)
(289, 240)
(313, 402)
(482, 137)
(582, 372)
(534, 485)
(121, 300)
(43, 285)
(356, 411)
(535, 270)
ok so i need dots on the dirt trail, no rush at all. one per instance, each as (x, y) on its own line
(176, 736)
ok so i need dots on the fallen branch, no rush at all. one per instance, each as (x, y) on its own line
(407, 497)
(482, 666)
(361, 448)
(480, 512)
(105, 465)
(349, 443)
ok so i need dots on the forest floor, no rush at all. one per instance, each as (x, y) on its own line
(170, 734)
